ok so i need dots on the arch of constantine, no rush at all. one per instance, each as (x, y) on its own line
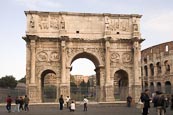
(111, 41)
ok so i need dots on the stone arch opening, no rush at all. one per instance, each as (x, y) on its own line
(168, 87)
(146, 71)
(121, 83)
(159, 68)
(152, 69)
(151, 87)
(159, 88)
(167, 67)
(48, 86)
(88, 84)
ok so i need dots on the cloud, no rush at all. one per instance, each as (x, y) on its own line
(47, 5)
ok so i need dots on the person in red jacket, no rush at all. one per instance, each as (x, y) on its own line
(8, 101)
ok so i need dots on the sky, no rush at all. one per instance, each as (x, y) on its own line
(156, 24)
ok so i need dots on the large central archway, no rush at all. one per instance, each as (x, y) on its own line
(92, 86)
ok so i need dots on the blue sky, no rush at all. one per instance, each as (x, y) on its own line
(156, 24)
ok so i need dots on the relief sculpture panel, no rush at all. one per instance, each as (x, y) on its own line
(115, 57)
(126, 57)
(117, 24)
(45, 56)
(43, 22)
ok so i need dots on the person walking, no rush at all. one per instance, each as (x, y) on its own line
(160, 101)
(26, 103)
(146, 100)
(21, 103)
(61, 102)
(16, 108)
(85, 100)
(8, 101)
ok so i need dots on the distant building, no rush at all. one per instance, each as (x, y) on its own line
(157, 67)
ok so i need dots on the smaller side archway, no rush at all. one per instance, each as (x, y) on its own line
(121, 85)
(48, 86)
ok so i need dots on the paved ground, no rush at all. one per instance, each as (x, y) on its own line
(93, 109)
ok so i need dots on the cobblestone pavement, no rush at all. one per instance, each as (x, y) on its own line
(93, 109)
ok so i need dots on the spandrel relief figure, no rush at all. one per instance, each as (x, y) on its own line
(62, 23)
(32, 23)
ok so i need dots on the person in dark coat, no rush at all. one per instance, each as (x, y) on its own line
(146, 100)
(61, 102)
(171, 102)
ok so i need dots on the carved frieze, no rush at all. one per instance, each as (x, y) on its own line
(117, 24)
(43, 23)
(54, 22)
(96, 51)
(73, 51)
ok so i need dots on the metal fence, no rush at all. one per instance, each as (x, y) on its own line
(12, 92)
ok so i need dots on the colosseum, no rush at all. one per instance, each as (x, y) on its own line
(156, 68)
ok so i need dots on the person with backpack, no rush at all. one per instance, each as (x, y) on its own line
(146, 100)
(161, 104)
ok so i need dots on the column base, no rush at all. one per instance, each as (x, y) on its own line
(136, 92)
(109, 93)
(33, 94)
(64, 90)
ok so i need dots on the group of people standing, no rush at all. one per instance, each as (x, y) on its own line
(159, 100)
(71, 103)
(20, 103)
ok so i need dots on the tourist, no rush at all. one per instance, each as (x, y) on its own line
(67, 101)
(61, 102)
(72, 106)
(161, 104)
(171, 102)
(26, 103)
(16, 108)
(146, 100)
(85, 100)
(21, 103)
(8, 101)
(129, 101)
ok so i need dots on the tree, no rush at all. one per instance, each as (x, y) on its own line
(22, 80)
(8, 82)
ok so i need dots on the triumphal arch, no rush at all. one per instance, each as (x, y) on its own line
(111, 41)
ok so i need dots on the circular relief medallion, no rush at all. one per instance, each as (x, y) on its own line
(42, 56)
(115, 57)
(54, 56)
(126, 57)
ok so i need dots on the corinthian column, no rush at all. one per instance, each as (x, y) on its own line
(32, 43)
(136, 86)
(136, 60)
(63, 61)
(107, 60)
